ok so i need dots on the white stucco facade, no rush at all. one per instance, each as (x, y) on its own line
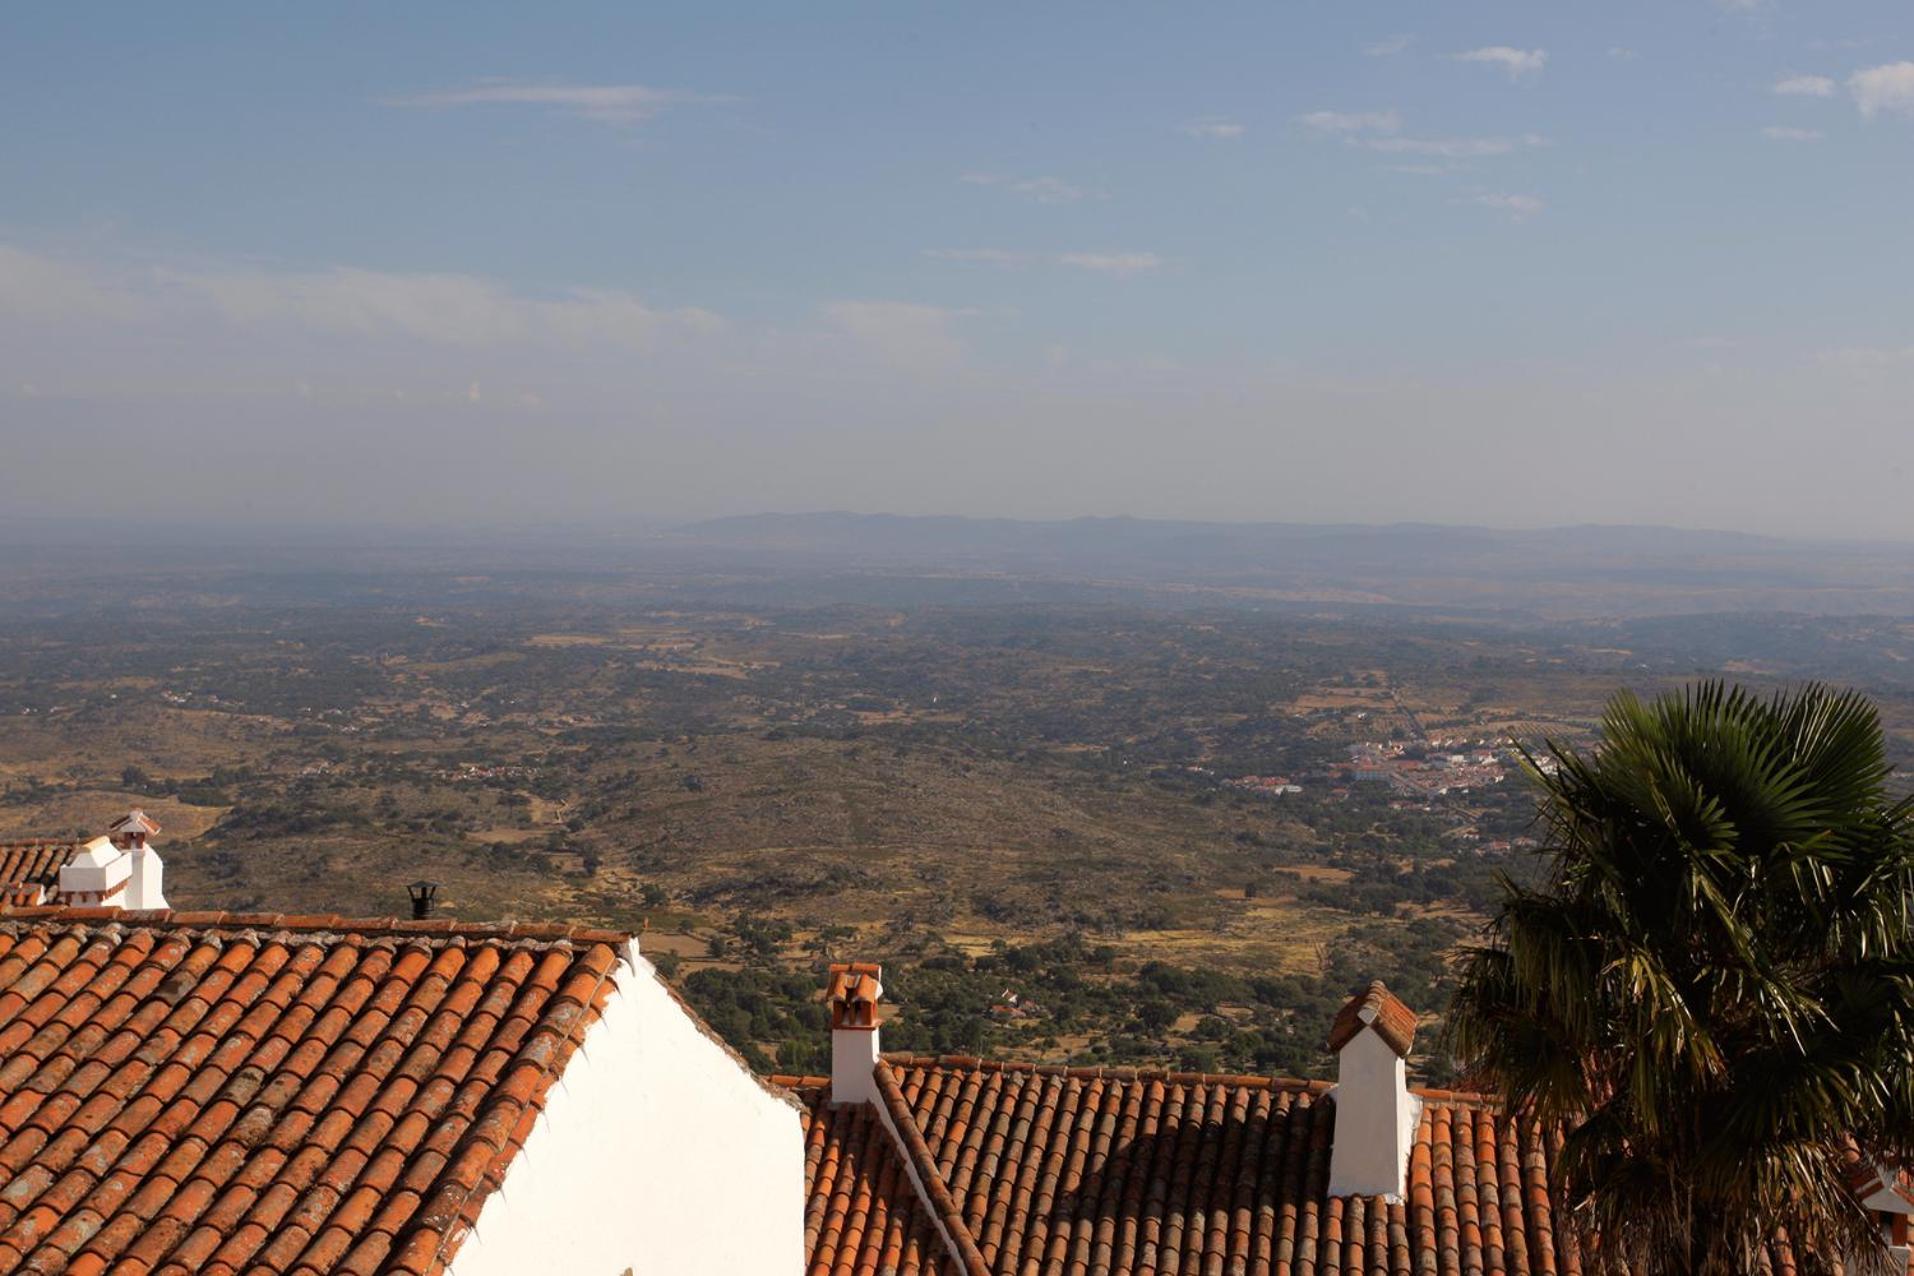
(104, 874)
(853, 1065)
(1376, 1120)
(144, 881)
(657, 1152)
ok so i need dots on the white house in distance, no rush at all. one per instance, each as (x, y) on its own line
(117, 869)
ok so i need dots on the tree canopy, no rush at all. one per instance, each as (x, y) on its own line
(1712, 991)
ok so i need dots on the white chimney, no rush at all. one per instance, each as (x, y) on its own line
(853, 994)
(117, 869)
(143, 883)
(1376, 1116)
(96, 877)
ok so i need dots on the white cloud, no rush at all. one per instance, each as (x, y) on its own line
(1390, 47)
(1352, 121)
(1888, 88)
(1784, 133)
(905, 335)
(1805, 86)
(1623, 53)
(603, 103)
(1045, 190)
(451, 309)
(1120, 264)
(1214, 128)
(1453, 147)
(37, 286)
(1518, 207)
(1520, 64)
(442, 309)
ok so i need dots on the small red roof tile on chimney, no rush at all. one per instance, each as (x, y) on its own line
(853, 993)
(134, 821)
(1375, 1007)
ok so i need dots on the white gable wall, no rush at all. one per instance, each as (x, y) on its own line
(656, 1152)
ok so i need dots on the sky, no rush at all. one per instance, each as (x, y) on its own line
(1467, 261)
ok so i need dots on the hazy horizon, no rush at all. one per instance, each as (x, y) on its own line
(110, 531)
(448, 267)
(109, 528)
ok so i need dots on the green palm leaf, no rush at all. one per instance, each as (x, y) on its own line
(1712, 998)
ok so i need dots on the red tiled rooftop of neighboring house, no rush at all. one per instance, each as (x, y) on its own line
(1048, 1171)
(862, 1215)
(34, 863)
(224, 1092)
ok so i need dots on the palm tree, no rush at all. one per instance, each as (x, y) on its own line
(1711, 995)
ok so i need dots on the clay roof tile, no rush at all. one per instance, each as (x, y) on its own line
(211, 1091)
(997, 1168)
(1378, 1008)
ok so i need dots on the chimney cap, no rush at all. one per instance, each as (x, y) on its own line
(1378, 1008)
(135, 821)
(423, 894)
(853, 993)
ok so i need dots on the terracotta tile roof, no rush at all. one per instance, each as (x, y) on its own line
(217, 1092)
(862, 1215)
(35, 863)
(1123, 1171)
(1376, 1007)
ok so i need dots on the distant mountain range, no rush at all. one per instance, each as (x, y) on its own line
(1557, 573)
(1549, 572)
(892, 537)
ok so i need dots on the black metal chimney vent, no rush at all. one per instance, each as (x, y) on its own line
(424, 894)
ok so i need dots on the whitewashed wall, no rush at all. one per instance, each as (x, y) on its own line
(145, 883)
(1376, 1120)
(656, 1152)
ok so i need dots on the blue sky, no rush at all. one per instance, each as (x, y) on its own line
(1486, 262)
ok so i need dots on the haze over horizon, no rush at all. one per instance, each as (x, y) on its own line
(456, 266)
(68, 528)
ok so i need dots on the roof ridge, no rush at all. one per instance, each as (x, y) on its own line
(1103, 1072)
(1459, 1098)
(897, 1117)
(1444, 1097)
(187, 919)
(798, 1081)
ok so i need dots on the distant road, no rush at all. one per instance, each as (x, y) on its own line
(1422, 732)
